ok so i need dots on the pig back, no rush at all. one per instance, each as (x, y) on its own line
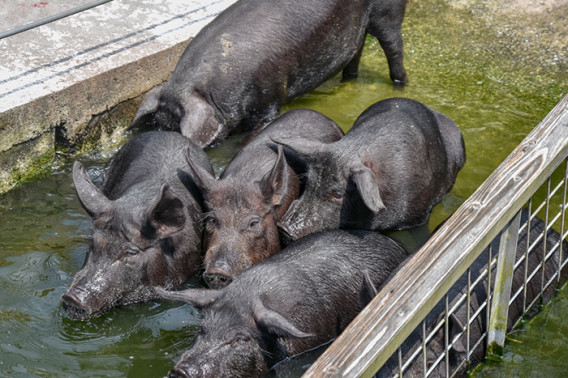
(271, 50)
(415, 153)
(404, 133)
(257, 157)
(315, 281)
(151, 159)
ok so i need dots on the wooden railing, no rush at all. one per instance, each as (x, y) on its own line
(379, 330)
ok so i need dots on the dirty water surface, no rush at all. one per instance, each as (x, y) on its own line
(496, 71)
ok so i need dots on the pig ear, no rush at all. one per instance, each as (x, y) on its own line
(275, 184)
(201, 176)
(368, 187)
(167, 214)
(275, 323)
(149, 105)
(302, 147)
(298, 157)
(199, 122)
(198, 298)
(92, 199)
(368, 291)
(197, 179)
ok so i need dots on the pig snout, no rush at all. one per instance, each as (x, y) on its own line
(196, 369)
(75, 304)
(217, 278)
(294, 225)
(288, 233)
(178, 373)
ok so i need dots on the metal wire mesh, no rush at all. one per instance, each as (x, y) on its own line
(453, 337)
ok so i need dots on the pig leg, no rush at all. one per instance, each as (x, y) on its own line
(351, 70)
(148, 107)
(257, 122)
(387, 30)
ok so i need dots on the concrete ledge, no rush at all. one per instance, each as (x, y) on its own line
(55, 78)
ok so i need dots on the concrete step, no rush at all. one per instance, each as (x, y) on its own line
(55, 78)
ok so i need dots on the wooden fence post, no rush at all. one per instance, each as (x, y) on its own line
(502, 293)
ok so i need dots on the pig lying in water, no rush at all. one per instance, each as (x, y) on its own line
(252, 194)
(259, 54)
(146, 225)
(398, 160)
(294, 301)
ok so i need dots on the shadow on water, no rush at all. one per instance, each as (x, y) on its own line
(471, 60)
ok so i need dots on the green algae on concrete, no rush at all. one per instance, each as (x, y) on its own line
(25, 162)
(105, 133)
(55, 78)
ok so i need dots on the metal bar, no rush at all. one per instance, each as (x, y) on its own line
(489, 286)
(563, 212)
(527, 256)
(55, 17)
(529, 276)
(467, 325)
(545, 231)
(503, 283)
(424, 355)
(470, 317)
(399, 362)
(446, 336)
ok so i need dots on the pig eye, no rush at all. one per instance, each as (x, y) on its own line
(254, 223)
(131, 251)
(210, 222)
(240, 339)
(336, 196)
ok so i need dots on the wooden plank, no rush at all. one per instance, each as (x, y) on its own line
(503, 281)
(405, 300)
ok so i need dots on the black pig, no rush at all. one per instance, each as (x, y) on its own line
(294, 301)
(252, 194)
(399, 160)
(259, 54)
(146, 225)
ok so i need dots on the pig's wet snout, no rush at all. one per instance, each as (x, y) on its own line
(178, 373)
(286, 236)
(73, 305)
(217, 278)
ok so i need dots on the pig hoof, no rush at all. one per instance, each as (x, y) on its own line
(400, 84)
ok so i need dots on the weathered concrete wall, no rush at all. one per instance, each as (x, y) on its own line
(31, 133)
(56, 79)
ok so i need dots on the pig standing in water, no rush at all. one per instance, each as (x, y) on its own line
(146, 225)
(292, 302)
(254, 191)
(259, 54)
(399, 160)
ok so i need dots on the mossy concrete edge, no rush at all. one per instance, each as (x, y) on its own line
(70, 117)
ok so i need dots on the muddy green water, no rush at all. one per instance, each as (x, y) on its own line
(496, 72)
